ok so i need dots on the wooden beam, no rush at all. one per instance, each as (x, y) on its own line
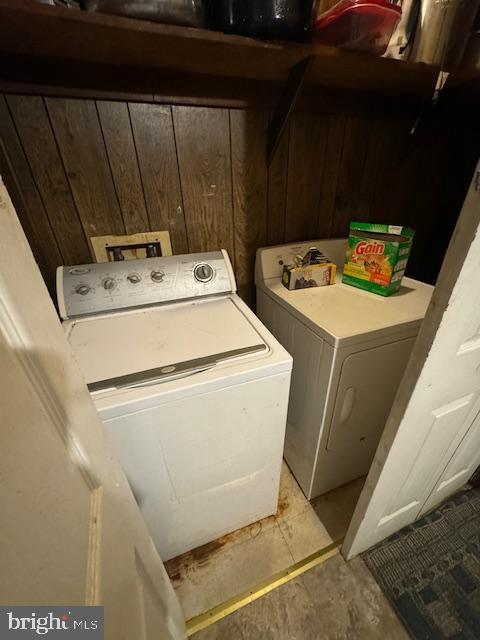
(53, 77)
(87, 38)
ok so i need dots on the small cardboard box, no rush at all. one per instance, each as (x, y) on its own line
(319, 272)
(377, 255)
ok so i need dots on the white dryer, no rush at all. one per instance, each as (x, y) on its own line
(349, 348)
(191, 387)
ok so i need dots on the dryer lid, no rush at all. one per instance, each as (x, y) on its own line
(145, 346)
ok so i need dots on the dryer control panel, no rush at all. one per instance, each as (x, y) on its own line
(110, 286)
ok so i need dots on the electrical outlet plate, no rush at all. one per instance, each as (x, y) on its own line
(102, 245)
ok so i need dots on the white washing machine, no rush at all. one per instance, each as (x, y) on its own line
(349, 348)
(191, 387)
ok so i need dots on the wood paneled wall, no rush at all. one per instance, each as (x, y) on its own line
(77, 168)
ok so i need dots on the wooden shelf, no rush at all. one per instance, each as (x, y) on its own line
(80, 53)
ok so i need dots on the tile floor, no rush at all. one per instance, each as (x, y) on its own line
(209, 575)
(336, 600)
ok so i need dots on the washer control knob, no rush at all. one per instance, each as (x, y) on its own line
(83, 289)
(157, 276)
(109, 284)
(203, 272)
(134, 278)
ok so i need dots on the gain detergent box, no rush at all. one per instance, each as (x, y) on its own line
(377, 255)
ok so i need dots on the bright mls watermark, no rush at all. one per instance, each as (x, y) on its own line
(22, 623)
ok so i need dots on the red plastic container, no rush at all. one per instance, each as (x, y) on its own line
(361, 25)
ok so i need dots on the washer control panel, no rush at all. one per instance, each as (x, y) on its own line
(108, 286)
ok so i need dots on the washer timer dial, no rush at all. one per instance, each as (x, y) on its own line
(203, 273)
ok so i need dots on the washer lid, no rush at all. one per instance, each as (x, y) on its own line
(143, 346)
(344, 315)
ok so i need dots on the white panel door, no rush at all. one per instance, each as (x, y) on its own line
(416, 464)
(71, 530)
(460, 467)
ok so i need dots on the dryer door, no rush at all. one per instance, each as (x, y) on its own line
(366, 390)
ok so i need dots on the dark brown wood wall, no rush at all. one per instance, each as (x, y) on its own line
(77, 168)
